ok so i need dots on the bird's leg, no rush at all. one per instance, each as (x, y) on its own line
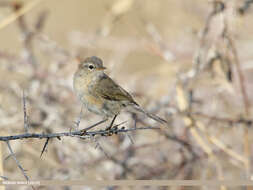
(79, 118)
(110, 126)
(94, 125)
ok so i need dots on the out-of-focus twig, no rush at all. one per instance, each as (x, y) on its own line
(26, 122)
(240, 74)
(28, 33)
(245, 6)
(5, 178)
(18, 13)
(199, 62)
(159, 47)
(51, 47)
(221, 145)
(12, 154)
(1, 166)
(227, 120)
(246, 103)
(183, 105)
(16, 160)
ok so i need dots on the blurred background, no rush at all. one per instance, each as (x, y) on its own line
(188, 61)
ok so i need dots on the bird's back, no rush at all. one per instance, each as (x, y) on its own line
(110, 90)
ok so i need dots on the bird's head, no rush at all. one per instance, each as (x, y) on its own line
(91, 65)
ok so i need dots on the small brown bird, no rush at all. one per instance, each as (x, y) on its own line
(100, 94)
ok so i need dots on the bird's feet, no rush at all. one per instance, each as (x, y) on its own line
(108, 128)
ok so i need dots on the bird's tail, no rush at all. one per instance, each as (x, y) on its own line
(150, 115)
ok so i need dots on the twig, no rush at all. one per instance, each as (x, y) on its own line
(240, 74)
(16, 160)
(101, 149)
(28, 34)
(245, 97)
(198, 62)
(182, 142)
(130, 138)
(113, 159)
(79, 134)
(26, 125)
(245, 7)
(41, 21)
(220, 144)
(94, 125)
(4, 178)
(228, 120)
(1, 166)
(134, 116)
(120, 152)
(183, 104)
(18, 13)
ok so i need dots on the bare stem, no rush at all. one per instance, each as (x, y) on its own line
(79, 134)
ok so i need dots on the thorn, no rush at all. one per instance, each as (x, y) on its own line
(44, 147)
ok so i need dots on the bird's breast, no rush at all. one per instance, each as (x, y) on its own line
(83, 87)
(80, 85)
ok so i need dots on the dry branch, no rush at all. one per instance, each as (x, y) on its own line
(245, 6)
(80, 134)
(16, 160)
(19, 13)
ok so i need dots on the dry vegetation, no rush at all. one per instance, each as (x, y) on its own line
(188, 61)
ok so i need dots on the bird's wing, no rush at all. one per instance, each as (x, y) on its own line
(108, 89)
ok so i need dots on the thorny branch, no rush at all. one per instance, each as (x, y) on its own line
(80, 134)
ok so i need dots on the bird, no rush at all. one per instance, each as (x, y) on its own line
(102, 95)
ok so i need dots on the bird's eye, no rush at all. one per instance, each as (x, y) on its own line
(91, 67)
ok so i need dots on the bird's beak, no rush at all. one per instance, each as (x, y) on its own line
(101, 68)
